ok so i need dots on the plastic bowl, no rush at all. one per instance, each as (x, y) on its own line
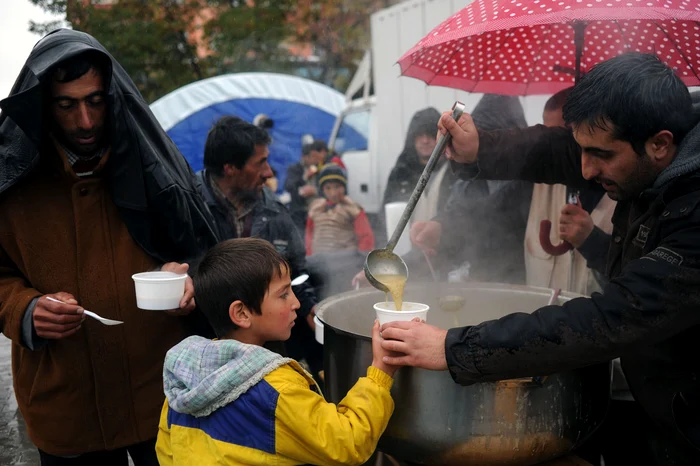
(159, 291)
(386, 312)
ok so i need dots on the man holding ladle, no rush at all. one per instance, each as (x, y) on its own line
(634, 131)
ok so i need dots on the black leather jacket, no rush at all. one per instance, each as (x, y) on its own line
(649, 312)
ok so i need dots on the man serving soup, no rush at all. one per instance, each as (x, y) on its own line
(634, 130)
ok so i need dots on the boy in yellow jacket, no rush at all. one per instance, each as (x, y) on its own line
(232, 402)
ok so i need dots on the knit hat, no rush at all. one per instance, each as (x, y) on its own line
(332, 172)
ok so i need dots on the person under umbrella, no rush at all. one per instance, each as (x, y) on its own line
(636, 132)
(483, 222)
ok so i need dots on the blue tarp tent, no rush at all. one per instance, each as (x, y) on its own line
(296, 105)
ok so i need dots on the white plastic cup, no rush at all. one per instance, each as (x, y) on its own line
(318, 329)
(393, 212)
(386, 312)
(159, 291)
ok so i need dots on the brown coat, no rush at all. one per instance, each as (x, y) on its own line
(102, 387)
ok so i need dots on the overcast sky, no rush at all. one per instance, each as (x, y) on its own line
(15, 39)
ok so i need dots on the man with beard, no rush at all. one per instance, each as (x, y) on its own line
(233, 186)
(633, 130)
(91, 191)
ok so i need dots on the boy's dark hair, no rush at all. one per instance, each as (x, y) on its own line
(558, 100)
(77, 66)
(237, 269)
(232, 141)
(318, 145)
(635, 96)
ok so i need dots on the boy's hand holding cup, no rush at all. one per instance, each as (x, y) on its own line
(378, 353)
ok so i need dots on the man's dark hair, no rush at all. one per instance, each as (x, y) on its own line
(633, 95)
(318, 145)
(77, 66)
(232, 141)
(558, 100)
(237, 269)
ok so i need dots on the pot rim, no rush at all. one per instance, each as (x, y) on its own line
(564, 296)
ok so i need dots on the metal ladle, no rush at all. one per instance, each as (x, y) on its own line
(453, 304)
(384, 261)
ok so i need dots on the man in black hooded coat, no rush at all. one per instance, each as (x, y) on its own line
(411, 162)
(484, 221)
(92, 190)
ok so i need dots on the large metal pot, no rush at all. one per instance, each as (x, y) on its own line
(436, 421)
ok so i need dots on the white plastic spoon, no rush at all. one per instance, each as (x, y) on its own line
(91, 314)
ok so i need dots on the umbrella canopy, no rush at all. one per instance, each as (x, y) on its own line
(527, 47)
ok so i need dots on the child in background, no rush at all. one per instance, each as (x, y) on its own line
(336, 222)
(232, 402)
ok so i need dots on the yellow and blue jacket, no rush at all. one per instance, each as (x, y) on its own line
(229, 403)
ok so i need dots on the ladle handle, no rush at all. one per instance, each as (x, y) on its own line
(457, 110)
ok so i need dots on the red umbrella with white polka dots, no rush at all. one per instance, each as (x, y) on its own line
(526, 47)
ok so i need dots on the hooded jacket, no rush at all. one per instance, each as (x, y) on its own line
(236, 404)
(649, 312)
(407, 170)
(484, 221)
(148, 179)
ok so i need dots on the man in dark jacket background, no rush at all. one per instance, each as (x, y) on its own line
(635, 133)
(92, 191)
(301, 181)
(236, 168)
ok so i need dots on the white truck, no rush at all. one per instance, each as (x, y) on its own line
(383, 117)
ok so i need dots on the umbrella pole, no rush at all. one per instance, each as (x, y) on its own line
(579, 33)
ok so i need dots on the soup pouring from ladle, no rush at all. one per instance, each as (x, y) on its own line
(383, 262)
